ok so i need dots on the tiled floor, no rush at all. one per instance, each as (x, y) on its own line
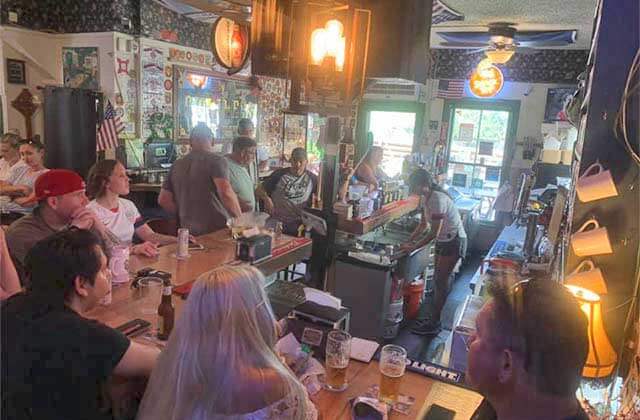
(429, 348)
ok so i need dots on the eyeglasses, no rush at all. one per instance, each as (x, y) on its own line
(518, 294)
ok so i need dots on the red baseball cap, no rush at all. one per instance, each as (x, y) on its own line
(58, 182)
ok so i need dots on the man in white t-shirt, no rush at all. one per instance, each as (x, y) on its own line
(440, 212)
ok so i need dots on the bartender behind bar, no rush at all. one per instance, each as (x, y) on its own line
(369, 171)
(451, 240)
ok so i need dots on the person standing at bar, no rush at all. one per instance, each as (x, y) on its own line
(369, 171)
(246, 129)
(242, 175)
(446, 228)
(197, 189)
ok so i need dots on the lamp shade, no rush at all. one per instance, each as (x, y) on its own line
(590, 279)
(602, 358)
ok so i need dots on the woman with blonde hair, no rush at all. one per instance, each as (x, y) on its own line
(220, 361)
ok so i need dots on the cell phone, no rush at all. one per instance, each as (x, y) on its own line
(437, 412)
(134, 327)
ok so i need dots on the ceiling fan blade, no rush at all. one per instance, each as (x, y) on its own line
(483, 37)
(463, 44)
(546, 38)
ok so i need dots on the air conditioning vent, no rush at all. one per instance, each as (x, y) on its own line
(406, 91)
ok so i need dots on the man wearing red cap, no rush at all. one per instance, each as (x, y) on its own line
(61, 203)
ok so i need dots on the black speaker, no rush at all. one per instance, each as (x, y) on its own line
(399, 40)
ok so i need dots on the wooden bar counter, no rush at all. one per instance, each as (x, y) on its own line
(385, 215)
(219, 250)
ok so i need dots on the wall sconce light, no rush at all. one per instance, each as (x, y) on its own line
(602, 358)
(197, 80)
(487, 80)
(328, 43)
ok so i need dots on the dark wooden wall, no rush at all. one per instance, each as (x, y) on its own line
(613, 51)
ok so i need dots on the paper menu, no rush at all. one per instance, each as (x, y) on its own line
(463, 401)
(363, 350)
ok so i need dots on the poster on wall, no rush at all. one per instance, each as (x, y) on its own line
(80, 67)
(557, 100)
(466, 132)
(485, 148)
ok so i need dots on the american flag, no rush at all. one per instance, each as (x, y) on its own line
(442, 13)
(111, 126)
(450, 89)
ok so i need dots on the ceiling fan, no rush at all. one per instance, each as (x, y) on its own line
(502, 40)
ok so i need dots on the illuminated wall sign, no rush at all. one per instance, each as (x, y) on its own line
(486, 81)
(230, 44)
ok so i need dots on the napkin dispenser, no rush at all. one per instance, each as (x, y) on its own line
(310, 323)
(254, 249)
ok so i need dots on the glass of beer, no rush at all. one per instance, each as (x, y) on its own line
(337, 360)
(393, 360)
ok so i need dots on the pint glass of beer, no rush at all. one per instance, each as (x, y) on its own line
(393, 360)
(337, 360)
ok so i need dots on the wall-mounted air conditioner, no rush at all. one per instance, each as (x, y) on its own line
(395, 90)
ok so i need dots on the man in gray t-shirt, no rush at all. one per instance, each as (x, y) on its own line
(197, 189)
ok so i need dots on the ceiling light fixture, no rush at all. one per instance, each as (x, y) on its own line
(499, 56)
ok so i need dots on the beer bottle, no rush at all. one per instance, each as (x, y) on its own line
(166, 312)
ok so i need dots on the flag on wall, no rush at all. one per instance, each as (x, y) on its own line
(450, 89)
(442, 13)
(109, 129)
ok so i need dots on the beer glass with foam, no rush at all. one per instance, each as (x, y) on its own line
(393, 360)
(337, 360)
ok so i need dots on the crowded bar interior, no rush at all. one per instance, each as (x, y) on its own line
(320, 209)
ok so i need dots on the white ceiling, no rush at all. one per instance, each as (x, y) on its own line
(525, 14)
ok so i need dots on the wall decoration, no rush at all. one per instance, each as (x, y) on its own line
(557, 98)
(80, 68)
(123, 66)
(161, 23)
(16, 72)
(272, 100)
(230, 43)
(76, 16)
(546, 66)
(186, 56)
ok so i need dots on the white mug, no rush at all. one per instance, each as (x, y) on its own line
(590, 279)
(595, 185)
(591, 242)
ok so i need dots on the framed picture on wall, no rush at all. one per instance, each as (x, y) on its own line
(557, 99)
(16, 72)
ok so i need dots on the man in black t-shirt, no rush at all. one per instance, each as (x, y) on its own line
(288, 190)
(528, 352)
(53, 359)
